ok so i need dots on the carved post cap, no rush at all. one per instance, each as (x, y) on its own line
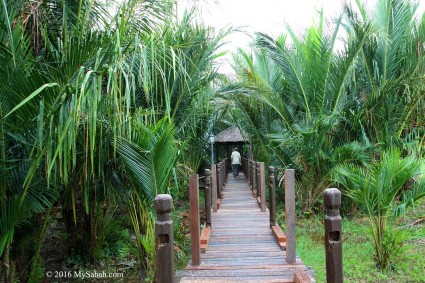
(163, 203)
(332, 198)
(271, 170)
(207, 172)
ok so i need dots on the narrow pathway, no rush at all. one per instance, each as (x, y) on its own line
(242, 247)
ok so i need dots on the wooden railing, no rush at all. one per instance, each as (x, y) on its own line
(215, 180)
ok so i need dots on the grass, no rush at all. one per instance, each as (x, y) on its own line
(358, 249)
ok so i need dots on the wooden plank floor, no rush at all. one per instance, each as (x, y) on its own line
(242, 247)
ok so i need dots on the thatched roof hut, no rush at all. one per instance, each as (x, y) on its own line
(232, 135)
(228, 139)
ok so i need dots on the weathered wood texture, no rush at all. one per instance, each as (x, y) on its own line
(205, 238)
(272, 197)
(333, 241)
(262, 184)
(164, 239)
(195, 230)
(219, 168)
(241, 247)
(208, 196)
(290, 215)
(214, 186)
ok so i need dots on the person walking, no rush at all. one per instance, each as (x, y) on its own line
(236, 162)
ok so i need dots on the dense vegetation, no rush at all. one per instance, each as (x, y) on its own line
(350, 117)
(99, 113)
(96, 111)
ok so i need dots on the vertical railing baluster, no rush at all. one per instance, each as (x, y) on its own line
(208, 196)
(290, 215)
(262, 184)
(214, 186)
(272, 195)
(247, 171)
(195, 230)
(254, 179)
(258, 179)
(219, 180)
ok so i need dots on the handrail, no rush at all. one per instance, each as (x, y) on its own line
(255, 174)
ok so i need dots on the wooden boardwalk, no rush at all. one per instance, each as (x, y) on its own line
(242, 247)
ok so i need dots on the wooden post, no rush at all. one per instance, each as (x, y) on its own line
(272, 195)
(333, 242)
(290, 215)
(258, 185)
(225, 168)
(262, 184)
(208, 196)
(258, 179)
(224, 173)
(164, 239)
(219, 180)
(214, 186)
(250, 173)
(195, 230)
(222, 179)
(247, 175)
(253, 173)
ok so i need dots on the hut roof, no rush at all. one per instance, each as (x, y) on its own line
(231, 135)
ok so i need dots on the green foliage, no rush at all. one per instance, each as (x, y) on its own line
(382, 190)
(357, 246)
(143, 222)
(309, 104)
(37, 273)
(111, 241)
(94, 110)
(294, 98)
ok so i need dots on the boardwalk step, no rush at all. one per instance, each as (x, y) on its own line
(246, 275)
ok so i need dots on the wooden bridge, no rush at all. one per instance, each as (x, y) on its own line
(240, 241)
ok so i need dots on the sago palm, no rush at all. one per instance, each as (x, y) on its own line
(388, 79)
(383, 190)
(303, 91)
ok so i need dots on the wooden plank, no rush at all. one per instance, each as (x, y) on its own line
(301, 276)
(205, 237)
(246, 266)
(279, 236)
(238, 273)
(236, 279)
